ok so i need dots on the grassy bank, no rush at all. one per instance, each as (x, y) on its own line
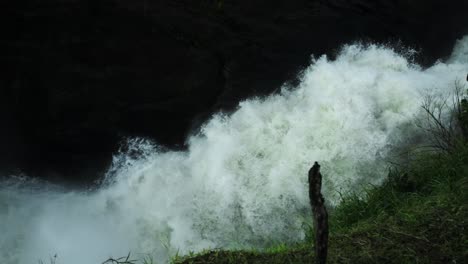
(419, 215)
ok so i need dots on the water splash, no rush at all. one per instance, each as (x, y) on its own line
(242, 182)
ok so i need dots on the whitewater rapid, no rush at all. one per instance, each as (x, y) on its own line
(242, 182)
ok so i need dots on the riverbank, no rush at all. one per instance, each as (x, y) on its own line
(419, 215)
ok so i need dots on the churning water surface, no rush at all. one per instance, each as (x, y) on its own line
(242, 182)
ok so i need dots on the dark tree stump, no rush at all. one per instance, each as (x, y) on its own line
(317, 202)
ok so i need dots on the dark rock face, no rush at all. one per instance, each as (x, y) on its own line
(83, 74)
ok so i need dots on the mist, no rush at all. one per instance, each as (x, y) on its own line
(242, 181)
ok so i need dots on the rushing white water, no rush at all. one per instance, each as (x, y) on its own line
(242, 182)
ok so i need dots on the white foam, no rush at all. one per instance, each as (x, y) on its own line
(243, 181)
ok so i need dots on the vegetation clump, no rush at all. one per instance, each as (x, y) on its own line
(418, 215)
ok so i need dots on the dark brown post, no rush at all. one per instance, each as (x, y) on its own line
(317, 202)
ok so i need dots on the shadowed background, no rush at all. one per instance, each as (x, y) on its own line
(81, 75)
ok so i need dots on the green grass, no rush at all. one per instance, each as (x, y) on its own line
(418, 215)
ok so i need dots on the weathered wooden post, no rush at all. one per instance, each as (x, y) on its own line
(317, 202)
